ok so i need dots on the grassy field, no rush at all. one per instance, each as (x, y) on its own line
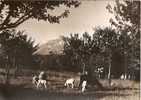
(21, 88)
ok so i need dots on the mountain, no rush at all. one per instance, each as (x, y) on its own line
(53, 46)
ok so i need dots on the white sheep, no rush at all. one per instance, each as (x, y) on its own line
(39, 82)
(42, 83)
(69, 82)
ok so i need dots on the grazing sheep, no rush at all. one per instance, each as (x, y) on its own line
(39, 82)
(42, 83)
(42, 80)
(69, 82)
(84, 84)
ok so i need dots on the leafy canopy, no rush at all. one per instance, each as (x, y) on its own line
(13, 13)
(126, 15)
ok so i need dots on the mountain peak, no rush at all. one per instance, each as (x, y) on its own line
(55, 46)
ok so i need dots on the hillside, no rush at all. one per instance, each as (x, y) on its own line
(52, 46)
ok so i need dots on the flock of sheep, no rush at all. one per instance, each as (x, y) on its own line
(69, 83)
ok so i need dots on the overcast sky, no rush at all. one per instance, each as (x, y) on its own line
(89, 14)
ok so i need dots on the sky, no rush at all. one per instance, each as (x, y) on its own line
(88, 15)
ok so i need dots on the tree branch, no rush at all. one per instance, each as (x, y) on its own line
(13, 25)
(6, 23)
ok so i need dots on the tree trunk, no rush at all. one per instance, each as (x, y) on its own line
(84, 67)
(92, 80)
(16, 70)
(15, 66)
(7, 70)
(109, 74)
(109, 71)
(125, 65)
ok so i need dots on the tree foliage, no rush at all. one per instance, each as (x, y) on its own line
(13, 13)
(17, 44)
(126, 15)
(81, 49)
(17, 50)
(72, 47)
(127, 22)
(103, 49)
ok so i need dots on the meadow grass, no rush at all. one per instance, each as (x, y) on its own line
(122, 89)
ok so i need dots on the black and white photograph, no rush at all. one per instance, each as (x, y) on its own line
(70, 49)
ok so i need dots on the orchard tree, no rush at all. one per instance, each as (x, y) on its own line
(13, 13)
(127, 22)
(23, 48)
(80, 50)
(17, 50)
(106, 39)
(72, 46)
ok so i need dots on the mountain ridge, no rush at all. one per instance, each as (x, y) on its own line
(54, 46)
